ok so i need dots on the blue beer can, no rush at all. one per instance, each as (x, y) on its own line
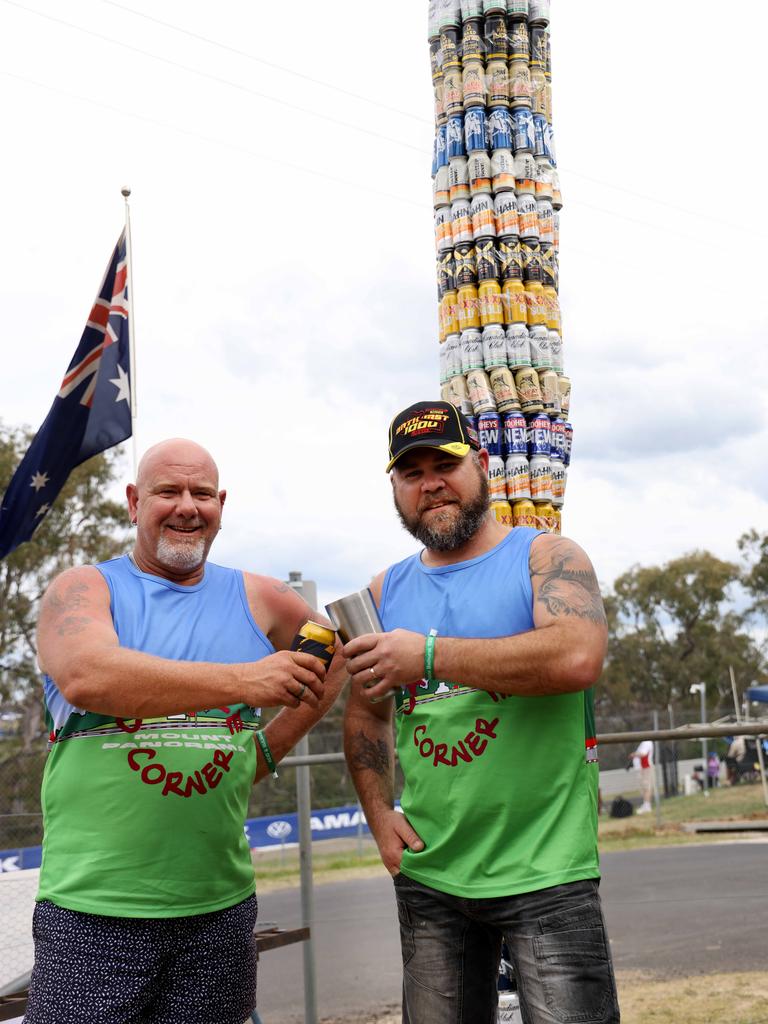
(540, 436)
(489, 432)
(524, 135)
(441, 147)
(475, 129)
(539, 135)
(514, 438)
(500, 128)
(455, 136)
(568, 443)
(558, 440)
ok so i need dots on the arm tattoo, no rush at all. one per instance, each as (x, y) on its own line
(61, 605)
(72, 625)
(565, 590)
(281, 588)
(367, 754)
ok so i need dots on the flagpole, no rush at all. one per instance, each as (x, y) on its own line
(125, 192)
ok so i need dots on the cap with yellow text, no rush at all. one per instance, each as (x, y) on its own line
(430, 425)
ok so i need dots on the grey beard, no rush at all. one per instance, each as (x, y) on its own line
(471, 517)
(184, 557)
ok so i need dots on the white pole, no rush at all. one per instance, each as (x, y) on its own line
(125, 192)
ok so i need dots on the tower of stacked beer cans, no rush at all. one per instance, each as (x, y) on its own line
(497, 201)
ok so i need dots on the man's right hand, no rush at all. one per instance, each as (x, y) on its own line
(394, 834)
(285, 679)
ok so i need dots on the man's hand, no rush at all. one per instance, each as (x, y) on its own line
(286, 679)
(382, 662)
(393, 834)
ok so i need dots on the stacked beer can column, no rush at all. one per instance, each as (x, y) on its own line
(497, 202)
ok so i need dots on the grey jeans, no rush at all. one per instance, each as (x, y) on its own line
(556, 940)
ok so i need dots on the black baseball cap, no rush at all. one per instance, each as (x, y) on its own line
(430, 425)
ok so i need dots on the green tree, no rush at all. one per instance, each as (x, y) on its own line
(84, 525)
(671, 626)
(754, 547)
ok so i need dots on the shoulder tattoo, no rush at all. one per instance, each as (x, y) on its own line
(564, 589)
(63, 602)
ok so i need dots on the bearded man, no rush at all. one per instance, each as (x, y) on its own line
(494, 638)
(156, 667)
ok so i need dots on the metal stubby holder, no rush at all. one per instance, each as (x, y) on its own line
(355, 615)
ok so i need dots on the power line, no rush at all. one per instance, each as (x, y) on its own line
(421, 150)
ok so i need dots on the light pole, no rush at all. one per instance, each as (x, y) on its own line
(701, 689)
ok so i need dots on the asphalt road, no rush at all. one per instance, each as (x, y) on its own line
(672, 911)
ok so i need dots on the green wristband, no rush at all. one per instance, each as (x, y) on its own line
(429, 656)
(262, 741)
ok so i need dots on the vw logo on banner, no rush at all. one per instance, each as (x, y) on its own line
(279, 829)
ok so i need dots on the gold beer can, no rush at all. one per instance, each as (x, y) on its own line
(528, 390)
(450, 306)
(503, 512)
(545, 516)
(469, 307)
(503, 384)
(317, 640)
(489, 298)
(480, 393)
(513, 302)
(523, 513)
(550, 392)
(558, 527)
(534, 300)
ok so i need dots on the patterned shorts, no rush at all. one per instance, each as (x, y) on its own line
(91, 969)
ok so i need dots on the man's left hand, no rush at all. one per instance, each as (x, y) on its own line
(381, 662)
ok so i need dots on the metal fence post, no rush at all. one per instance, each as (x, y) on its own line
(304, 804)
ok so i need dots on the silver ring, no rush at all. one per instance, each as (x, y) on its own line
(302, 691)
(373, 672)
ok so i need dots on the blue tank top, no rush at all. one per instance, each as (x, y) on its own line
(144, 818)
(500, 788)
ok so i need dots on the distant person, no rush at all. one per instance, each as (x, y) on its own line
(494, 638)
(713, 770)
(643, 762)
(156, 666)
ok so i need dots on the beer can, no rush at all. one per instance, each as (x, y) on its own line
(441, 146)
(497, 83)
(503, 170)
(503, 385)
(557, 199)
(443, 231)
(539, 37)
(487, 260)
(449, 13)
(438, 90)
(538, 93)
(471, 9)
(453, 97)
(527, 216)
(317, 640)
(538, 13)
(517, 10)
(461, 221)
(441, 331)
(568, 443)
(497, 483)
(455, 136)
(458, 179)
(473, 84)
(443, 363)
(546, 218)
(518, 346)
(472, 44)
(480, 393)
(459, 391)
(433, 21)
(550, 392)
(558, 521)
(479, 172)
(469, 309)
(557, 434)
(494, 349)
(528, 391)
(489, 295)
(467, 412)
(471, 350)
(452, 348)
(510, 259)
(482, 217)
(534, 301)
(513, 302)
(446, 272)
(450, 40)
(539, 436)
(520, 85)
(503, 512)
(556, 223)
(475, 129)
(440, 192)
(465, 267)
(524, 140)
(523, 513)
(519, 41)
(541, 358)
(552, 307)
(525, 173)
(545, 514)
(505, 212)
(541, 478)
(495, 35)
(564, 383)
(549, 142)
(489, 432)
(513, 434)
(556, 352)
(517, 472)
(530, 253)
(543, 179)
(540, 148)
(450, 312)
(500, 128)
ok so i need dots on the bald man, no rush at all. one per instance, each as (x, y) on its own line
(156, 666)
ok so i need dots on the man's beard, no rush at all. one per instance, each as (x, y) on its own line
(459, 529)
(184, 556)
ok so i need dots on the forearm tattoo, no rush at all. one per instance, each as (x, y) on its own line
(367, 753)
(564, 590)
(61, 605)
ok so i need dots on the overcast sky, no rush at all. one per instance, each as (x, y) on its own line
(285, 309)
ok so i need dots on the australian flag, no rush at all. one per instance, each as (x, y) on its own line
(91, 412)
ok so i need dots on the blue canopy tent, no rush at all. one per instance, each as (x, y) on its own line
(759, 693)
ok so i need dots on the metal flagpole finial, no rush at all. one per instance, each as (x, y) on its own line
(125, 191)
